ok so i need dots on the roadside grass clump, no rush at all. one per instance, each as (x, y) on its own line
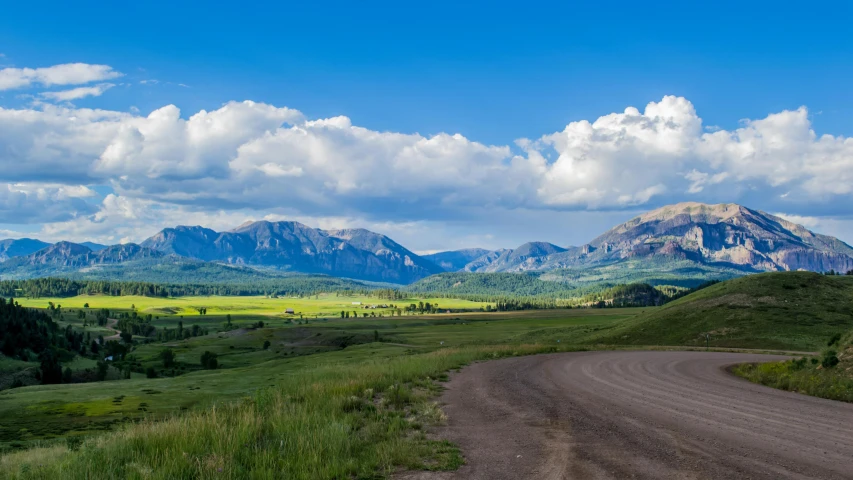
(363, 420)
(828, 376)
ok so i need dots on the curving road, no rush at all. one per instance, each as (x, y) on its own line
(617, 415)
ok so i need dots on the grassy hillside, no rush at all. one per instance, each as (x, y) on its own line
(785, 310)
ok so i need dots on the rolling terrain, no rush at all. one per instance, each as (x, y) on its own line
(785, 310)
(281, 386)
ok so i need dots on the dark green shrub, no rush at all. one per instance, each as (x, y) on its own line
(209, 361)
(834, 340)
(168, 357)
(798, 364)
(102, 371)
(829, 360)
(150, 372)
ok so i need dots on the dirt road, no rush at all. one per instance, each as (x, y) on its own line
(617, 415)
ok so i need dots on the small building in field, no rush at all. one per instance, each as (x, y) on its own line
(356, 303)
(289, 310)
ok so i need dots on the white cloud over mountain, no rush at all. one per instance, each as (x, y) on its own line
(249, 156)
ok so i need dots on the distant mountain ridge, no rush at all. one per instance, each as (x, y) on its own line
(682, 239)
(67, 254)
(725, 235)
(12, 247)
(292, 246)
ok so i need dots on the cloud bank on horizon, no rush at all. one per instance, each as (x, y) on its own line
(107, 175)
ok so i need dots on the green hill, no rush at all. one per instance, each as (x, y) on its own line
(784, 310)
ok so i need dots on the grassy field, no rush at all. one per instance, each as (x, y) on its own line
(323, 305)
(45, 412)
(340, 419)
(351, 398)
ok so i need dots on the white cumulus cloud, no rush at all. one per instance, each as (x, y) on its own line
(43, 203)
(77, 93)
(250, 156)
(65, 74)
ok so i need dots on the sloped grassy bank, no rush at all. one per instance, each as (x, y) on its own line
(829, 375)
(780, 310)
(356, 421)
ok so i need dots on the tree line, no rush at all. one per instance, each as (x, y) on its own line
(286, 286)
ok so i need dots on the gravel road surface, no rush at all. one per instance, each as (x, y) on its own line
(619, 415)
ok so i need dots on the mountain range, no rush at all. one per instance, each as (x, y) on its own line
(724, 235)
(727, 237)
(266, 247)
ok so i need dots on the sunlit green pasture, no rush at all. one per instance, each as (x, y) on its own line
(329, 305)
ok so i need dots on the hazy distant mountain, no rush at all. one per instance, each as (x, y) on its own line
(482, 262)
(456, 259)
(67, 254)
(292, 246)
(727, 235)
(22, 247)
(66, 259)
(529, 256)
(95, 247)
(12, 247)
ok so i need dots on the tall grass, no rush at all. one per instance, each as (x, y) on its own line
(357, 421)
(800, 376)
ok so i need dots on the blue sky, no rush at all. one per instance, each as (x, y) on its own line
(491, 73)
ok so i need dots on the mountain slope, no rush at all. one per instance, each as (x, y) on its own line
(725, 235)
(529, 256)
(292, 246)
(65, 258)
(12, 247)
(480, 264)
(129, 262)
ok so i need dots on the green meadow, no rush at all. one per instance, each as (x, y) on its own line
(328, 305)
(46, 412)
